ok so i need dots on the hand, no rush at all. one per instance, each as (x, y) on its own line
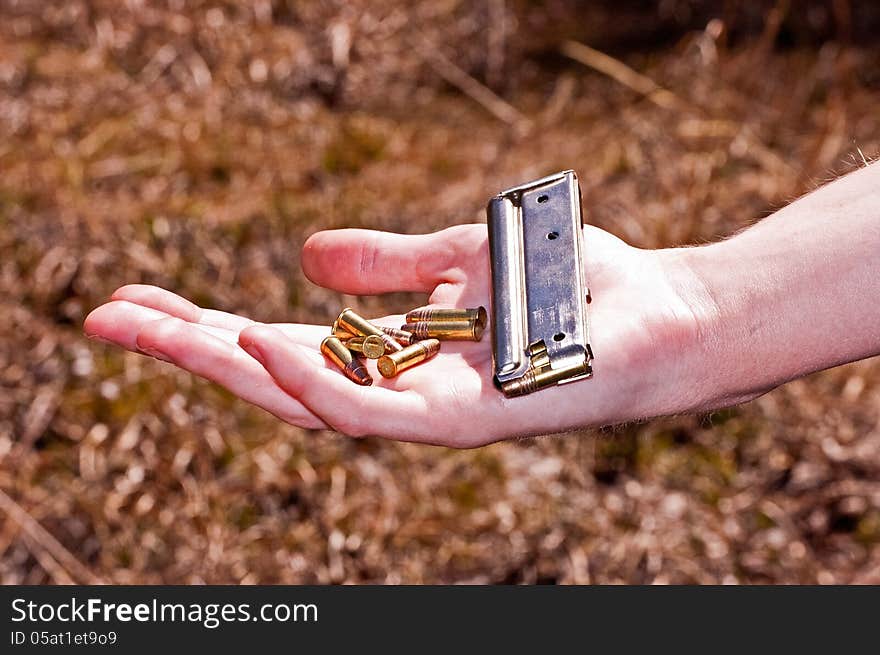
(646, 319)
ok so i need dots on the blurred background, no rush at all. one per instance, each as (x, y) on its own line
(195, 145)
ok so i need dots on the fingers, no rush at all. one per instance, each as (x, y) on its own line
(157, 298)
(347, 407)
(119, 322)
(170, 304)
(191, 348)
(372, 262)
(174, 305)
(204, 350)
(305, 335)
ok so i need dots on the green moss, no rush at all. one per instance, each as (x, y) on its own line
(445, 167)
(293, 295)
(464, 494)
(762, 521)
(868, 528)
(244, 516)
(722, 416)
(225, 458)
(123, 558)
(490, 465)
(354, 146)
(615, 454)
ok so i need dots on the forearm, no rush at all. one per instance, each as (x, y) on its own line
(796, 293)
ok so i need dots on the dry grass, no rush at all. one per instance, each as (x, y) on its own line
(197, 149)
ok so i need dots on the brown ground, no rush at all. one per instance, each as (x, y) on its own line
(197, 149)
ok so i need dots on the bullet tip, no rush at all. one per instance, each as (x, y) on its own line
(361, 376)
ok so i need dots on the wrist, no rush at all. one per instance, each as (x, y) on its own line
(715, 284)
(709, 351)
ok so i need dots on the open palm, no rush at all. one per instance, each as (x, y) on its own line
(642, 318)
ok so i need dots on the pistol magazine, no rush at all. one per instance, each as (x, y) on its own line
(539, 289)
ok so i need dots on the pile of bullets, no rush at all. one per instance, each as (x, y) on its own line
(396, 350)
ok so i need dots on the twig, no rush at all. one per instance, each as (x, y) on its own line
(562, 95)
(473, 88)
(661, 97)
(773, 23)
(57, 573)
(496, 38)
(61, 563)
(39, 415)
(620, 72)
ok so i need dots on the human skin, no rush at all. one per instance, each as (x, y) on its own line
(673, 330)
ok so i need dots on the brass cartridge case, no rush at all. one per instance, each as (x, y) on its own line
(341, 333)
(477, 314)
(400, 336)
(391, 365)
(351, 321)
(354, 369)
(471, 330)
(539, 356)
(372, 346)
(540, 378)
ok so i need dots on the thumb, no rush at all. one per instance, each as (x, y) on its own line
(371, 262)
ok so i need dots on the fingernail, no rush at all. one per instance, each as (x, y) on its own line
(152, 352)
(252, 350)
(97, 339)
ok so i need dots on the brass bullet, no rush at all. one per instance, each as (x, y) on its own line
(391, 365)
(372, 346)
(353, 322)
(477, 314)
(400, 336)
(540, 378)
(471, 330)
(350, 321)
(539, 355)
(353, 368)
(341, 333)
